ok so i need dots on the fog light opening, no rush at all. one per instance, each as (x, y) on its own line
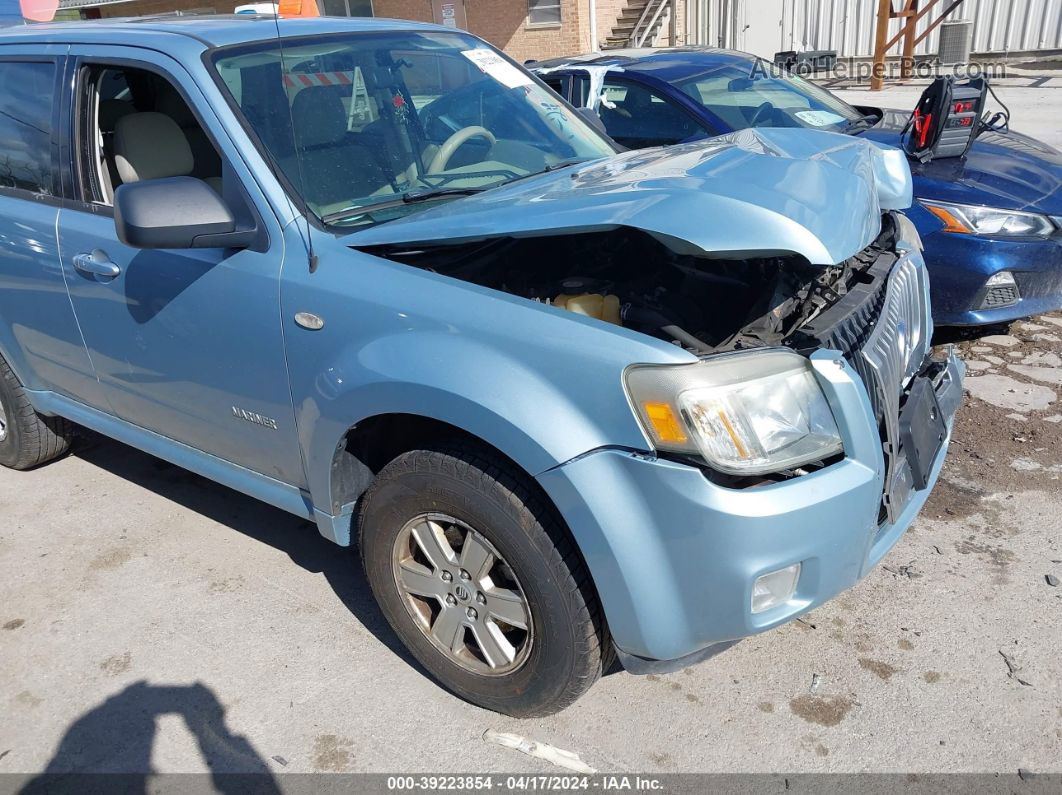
(1000, 290)
(1000, 279)
(774, 588)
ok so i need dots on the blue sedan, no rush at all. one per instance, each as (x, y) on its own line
(991, 222)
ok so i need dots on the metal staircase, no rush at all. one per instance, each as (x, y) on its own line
(637, 24)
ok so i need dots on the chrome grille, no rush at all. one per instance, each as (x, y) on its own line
(891, 355)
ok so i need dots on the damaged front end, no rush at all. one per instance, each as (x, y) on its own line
(737, 242)
(627, 277)
(759, 240)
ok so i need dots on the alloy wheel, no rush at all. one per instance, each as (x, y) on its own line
(462, 594)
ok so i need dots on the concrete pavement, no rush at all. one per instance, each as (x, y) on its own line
(149, 617)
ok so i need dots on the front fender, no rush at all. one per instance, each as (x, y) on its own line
(527, 414)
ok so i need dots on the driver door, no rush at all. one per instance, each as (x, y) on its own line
(185, 343)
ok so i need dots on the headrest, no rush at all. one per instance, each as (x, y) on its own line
(150, 145)
(319, 117)
(636, 100)
(111, 110)
(169, 101)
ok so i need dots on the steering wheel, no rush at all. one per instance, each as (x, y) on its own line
(446, 151)
(762, 110)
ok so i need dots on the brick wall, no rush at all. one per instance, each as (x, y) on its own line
(501, 22)
(419, 10)
(504, 24)
(608, 12)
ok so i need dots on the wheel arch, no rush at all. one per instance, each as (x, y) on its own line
(367, 446)
(372, 443)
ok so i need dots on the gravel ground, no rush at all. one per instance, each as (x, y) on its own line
(152, 619)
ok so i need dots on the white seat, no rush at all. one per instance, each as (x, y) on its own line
(150, 145)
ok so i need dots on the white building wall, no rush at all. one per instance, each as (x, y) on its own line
(767, 26)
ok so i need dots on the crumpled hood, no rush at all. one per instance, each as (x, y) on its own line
(813, 193)
(1002, 169)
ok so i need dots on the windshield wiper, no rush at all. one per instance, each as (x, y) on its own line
(398, 201)
(435, 193)
(425, 195)
(571, 161)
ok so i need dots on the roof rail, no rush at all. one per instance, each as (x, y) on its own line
(190, 12)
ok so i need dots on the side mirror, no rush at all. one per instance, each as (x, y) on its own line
(589, 115)
(739, 84)
(175, 212)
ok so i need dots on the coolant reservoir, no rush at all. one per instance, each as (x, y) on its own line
(603, 307)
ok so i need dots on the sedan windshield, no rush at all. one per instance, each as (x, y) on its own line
(368, 127)
(765, 96)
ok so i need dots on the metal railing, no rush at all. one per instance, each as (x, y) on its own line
(645, 27)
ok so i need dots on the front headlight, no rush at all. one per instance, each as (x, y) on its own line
(746, 413)
(967, 219)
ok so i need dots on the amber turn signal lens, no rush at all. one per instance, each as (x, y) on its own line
(666, 425)
(951, 223)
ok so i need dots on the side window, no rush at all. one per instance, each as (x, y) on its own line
(348, 8)
(26, 126)
(558, 84)
(637, 117)
(580, 91)
(135, 125)
(543, 12)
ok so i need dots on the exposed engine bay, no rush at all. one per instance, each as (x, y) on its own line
(627, 277)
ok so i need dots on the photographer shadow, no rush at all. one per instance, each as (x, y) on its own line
(108, 749)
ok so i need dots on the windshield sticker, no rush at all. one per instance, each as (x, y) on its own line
(818, 118)
(489, 62)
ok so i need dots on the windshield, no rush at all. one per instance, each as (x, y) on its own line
(371, 126)
(766, 96)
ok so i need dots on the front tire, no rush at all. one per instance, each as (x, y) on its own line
(27, 439)
(477, 576)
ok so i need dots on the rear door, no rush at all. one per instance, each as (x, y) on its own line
(39, 336)
(186, 343)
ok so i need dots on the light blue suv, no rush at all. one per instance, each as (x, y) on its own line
(573, 403)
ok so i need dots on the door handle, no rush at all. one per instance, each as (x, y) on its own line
(96, 264)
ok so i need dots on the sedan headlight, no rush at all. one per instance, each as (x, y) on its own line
(746, 413)
(969, 219)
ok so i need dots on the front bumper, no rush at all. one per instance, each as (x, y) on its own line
(959, 266)
(674, 556)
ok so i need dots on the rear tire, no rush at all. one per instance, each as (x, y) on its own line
(463, 504)
(27, 439)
